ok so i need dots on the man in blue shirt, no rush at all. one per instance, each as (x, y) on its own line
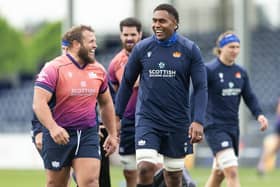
(227, 82)
(165, 62)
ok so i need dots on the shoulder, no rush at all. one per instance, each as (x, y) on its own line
(57, 62)
(119, 58)
(212, 64)
(185, 42)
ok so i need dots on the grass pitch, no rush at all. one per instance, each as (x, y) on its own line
(36, 178)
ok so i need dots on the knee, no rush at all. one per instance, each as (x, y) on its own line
(231, 173)
(173, 178)
(219, 174)
(130, 174)
(91, 181)
(146, 170)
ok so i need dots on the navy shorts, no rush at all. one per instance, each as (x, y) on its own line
(58, 156)
(277, 128)
(127, 137)
(170, 144)
(220, 138)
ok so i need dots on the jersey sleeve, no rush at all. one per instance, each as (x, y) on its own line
(47, 78)
(131, 72)
(250, 98)
(199, 80)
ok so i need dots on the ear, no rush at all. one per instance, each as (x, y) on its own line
(141, 34)
(76, 44)
(176, 27)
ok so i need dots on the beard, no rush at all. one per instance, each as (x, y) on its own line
(84, 55)
(128, 45)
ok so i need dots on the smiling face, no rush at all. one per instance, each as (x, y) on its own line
(88, 47)
(129, 37)
(164, 24)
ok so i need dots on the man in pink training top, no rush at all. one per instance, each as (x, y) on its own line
(74, 83)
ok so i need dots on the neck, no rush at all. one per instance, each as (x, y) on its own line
(225, 61)
(77, 58)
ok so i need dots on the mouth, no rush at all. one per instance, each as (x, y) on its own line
(158, 33)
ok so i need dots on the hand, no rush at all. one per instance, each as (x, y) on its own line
(195, 132)
(110, 144)
(263, 122)
(39, 141)
(59, 135)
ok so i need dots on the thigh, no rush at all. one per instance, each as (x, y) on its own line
(58, 178)
(176, 144)
(86, 170)
(220, 139)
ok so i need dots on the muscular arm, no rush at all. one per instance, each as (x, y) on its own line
(107, 112)
(42, 110)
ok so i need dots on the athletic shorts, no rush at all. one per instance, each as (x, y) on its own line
(220, 138)
(170, 144)
(85, 145)
(127, 137)
(277, 128)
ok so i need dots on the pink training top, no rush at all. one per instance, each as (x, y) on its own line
(75, 90)
(116, 70)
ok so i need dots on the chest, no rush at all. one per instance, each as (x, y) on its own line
(79, 82)
(226, 82)
(163, 61)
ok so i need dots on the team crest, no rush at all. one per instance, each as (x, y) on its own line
(176, 54)
(238, 75)
(92, 75)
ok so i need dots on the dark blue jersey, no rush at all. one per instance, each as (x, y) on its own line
(226, 85)
(165, 73)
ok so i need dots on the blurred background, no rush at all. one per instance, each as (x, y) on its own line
(31, 31)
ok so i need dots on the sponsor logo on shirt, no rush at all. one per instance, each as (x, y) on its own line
(231, 91)
(221, 76)
(83, 91)
(161, 72)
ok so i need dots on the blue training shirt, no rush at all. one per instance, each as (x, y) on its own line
(165, 71)
(226, 85)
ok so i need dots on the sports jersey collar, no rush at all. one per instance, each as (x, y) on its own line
(168, 42)
(75, 62)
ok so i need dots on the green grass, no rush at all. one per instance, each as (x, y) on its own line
(36, 178)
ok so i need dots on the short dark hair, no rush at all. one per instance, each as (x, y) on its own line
(131, 22)
(76, 33)
(170, 9)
